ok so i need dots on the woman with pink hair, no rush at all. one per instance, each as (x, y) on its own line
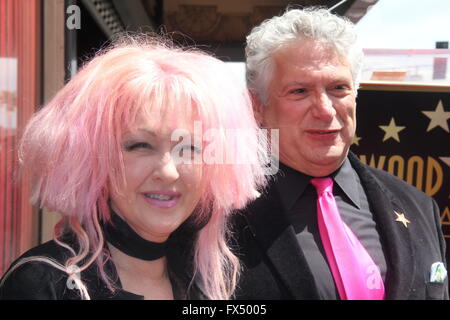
(145, 153)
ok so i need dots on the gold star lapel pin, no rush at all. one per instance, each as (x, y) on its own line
(401, 218)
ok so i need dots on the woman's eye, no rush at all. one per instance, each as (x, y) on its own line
(137, 146)
(186, 150)
(191, 148)
(194, 149)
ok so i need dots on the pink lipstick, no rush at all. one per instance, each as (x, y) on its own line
(162, 199)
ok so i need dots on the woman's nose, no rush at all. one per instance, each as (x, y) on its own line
(166, 170)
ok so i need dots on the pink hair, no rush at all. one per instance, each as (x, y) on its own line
(73, 145)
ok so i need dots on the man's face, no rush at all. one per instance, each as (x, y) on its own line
(311, 99)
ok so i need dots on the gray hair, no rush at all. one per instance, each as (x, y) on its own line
(313, 23)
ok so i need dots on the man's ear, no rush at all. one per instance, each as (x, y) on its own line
(257, 109)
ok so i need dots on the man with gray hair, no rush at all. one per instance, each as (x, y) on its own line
(328, 226)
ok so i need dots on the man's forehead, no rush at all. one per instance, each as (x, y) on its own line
(309, 51)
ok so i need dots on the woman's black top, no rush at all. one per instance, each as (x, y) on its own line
(40, 280)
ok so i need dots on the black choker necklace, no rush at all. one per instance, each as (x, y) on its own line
(118, 233)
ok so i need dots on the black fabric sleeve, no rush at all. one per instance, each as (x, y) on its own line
(33, 281)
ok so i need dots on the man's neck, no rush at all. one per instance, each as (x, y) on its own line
(315, 170)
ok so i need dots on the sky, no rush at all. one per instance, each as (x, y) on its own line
(405, 24)
(399, 24)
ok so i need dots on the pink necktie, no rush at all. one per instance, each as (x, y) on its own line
(356, 275)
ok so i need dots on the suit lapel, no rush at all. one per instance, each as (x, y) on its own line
(395, 237)
(276, 238)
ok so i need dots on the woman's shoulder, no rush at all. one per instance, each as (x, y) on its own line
(34, 274)
(49, 249)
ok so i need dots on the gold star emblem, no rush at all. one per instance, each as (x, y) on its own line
(356, 139)
(438, 117)
(392, 130)
(401, 218)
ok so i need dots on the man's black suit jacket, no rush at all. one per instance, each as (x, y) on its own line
(274, 266)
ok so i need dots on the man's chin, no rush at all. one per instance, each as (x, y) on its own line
(326, 163)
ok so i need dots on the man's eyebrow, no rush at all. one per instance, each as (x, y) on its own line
(306, 83)
(297, 83)
(343, 79)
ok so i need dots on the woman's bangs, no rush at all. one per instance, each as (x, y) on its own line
(170, 104)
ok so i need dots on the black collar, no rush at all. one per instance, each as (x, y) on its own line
(347, 179)
(291, 184)
(118, 233)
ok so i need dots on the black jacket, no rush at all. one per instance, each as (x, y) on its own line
(275, 266)
(40, 281)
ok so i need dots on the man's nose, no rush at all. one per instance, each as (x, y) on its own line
(323, 106)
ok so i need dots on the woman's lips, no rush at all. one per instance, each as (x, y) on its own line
(162, 199)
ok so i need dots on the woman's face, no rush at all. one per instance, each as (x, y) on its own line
(160, 194)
